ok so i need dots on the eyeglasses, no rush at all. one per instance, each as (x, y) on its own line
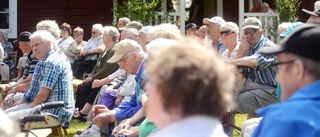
(252, 31)
(275, 66)
(93, 32)
(226, 32)
(121, 62)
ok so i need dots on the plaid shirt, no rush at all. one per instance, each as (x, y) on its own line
(54, 73)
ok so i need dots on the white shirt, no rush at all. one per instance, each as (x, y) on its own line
(195, 126)
(233, 54)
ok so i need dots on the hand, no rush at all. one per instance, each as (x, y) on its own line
(244, 45)
(97, 109)
(83, 53)
(126, 132)
(7, 89)
(87, 80)
(96, 83)
(102, 119)
(119, 100)
(121, 126)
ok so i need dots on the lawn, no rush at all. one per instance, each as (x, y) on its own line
(76, 125)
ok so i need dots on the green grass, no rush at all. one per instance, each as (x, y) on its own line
(76, 125)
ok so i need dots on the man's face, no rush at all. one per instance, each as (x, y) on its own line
(128, 63)
(192, 32)
(78, 36)
(252, 35)
(22, 46)
(314, 19)
(286, 70)
(213, 30)
(39, 48)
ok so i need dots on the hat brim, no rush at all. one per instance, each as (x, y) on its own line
(271, 50)
(310, 12)
(251, 26)
(121, 28)
(115, 58)
(16, 42)
(207, 21)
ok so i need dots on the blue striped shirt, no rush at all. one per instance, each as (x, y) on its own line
(263, 73)
(54, 73)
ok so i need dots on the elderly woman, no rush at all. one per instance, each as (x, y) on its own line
(229, 35)
(90, 52)
(8, 50)
(190, 93)
(66, 39)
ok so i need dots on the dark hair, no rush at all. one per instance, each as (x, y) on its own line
(67, 27)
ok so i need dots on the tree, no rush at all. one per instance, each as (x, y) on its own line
(138, 10)
(288, 10)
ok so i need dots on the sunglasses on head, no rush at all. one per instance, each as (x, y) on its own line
(252, 31)
(226, 32)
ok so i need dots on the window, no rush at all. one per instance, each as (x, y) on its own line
(8, 17)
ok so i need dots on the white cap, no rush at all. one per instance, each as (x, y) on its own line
(215, 19)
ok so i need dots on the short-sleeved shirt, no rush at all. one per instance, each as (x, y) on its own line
(55, 74)
(30, 65)
(263, 73)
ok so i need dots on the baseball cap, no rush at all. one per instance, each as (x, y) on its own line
(316, 11)
(303, 42)
(252, 22)
(191, 26)
(215, 19)
(24, 36)
(123, 47)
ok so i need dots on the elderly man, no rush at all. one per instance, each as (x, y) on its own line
(291, 117)
(131, 58)
(52, 81)
(260, 86)
(314, 15)
(23, 84)
(213, 38)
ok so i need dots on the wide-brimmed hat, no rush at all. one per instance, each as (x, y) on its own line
(316, 11)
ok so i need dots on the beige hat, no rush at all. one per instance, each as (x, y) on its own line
(316, 8)
(252, 22)
(123, 47)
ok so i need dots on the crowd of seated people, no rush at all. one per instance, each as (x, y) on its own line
(147, 77)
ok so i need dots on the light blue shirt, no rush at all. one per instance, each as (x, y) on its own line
(299, 116)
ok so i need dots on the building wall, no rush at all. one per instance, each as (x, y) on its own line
(81, 13)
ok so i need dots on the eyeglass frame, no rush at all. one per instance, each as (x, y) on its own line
(275, 66)
(226, 32)
(251, 31)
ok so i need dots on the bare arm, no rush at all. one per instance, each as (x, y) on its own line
(249, 61)
(41, 97)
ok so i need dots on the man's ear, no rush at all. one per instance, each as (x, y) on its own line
(299, 70)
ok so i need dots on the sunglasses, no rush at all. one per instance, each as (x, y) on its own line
(252, 31)
(93, 32)
(226, 32)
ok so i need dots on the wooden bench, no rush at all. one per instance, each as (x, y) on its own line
(75, 84)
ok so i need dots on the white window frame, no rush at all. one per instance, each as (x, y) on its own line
(12, 31)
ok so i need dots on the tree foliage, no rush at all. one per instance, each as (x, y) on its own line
(138, 10)
(288, 9)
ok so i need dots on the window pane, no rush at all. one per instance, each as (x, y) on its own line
(4, 20)
(4, 14)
